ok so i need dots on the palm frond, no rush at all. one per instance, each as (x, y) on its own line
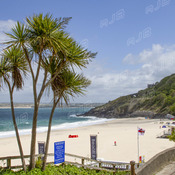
(78, 56)
(18, 36)
(4, 71)
(17, 65)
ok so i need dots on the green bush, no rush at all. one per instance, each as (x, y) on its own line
(38, 163)
(60, 170)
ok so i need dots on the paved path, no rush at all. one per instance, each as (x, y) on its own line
(168, 170)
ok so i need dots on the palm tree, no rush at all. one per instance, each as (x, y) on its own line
(46, 39)
(38, 38)
(41, 38)
(66, 84)
(12, 67)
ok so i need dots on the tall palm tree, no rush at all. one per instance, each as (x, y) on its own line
(12, 68)
(46, 38)
(38, 39)
(66, 84)
(41, 38)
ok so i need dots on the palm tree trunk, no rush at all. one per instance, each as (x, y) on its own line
(33, 139)
(16, 131)
(35, 116)
(48, 136)
(34, 126)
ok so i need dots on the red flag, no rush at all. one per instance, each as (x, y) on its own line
(141, 131)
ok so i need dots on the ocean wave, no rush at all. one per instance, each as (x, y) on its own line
(12, 133)
(93, 121)
(82, 116)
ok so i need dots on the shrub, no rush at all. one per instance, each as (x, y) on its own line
(61, 170)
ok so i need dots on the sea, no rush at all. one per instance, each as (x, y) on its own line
(64, 118)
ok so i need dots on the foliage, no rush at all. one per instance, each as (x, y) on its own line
(60, 170)
(13, 66)
(38, 163)
(172, 136)
(172, 108)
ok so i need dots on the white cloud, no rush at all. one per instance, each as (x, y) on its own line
(5, 26)
(130, 59)
(154, 64)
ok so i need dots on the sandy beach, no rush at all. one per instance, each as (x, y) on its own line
(123, 131)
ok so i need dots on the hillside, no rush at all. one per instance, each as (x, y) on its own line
(155, 101)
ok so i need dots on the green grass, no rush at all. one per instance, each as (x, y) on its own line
(60, 170)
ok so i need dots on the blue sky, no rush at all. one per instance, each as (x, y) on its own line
(135, 41)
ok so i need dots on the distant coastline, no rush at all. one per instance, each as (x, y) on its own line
(8, 107)
(46, 105)
(16, 105)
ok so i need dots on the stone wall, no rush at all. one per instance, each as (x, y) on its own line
(157, 162)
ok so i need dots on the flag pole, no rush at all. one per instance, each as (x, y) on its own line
(138, 142)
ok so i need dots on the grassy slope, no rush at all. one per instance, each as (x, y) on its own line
(159, 99)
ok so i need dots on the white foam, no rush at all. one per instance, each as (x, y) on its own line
(92, 121)
(12, 133)
(81, 116)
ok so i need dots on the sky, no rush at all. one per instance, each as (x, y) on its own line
(135, 42)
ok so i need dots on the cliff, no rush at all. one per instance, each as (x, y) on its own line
(155, 101)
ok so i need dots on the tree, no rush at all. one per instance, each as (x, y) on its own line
(172, 136)
(67, 83)
(41, 38)
(12, 68)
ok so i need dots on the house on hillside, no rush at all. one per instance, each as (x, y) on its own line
(150, 85)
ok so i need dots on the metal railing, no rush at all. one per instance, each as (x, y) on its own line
(79, 161)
